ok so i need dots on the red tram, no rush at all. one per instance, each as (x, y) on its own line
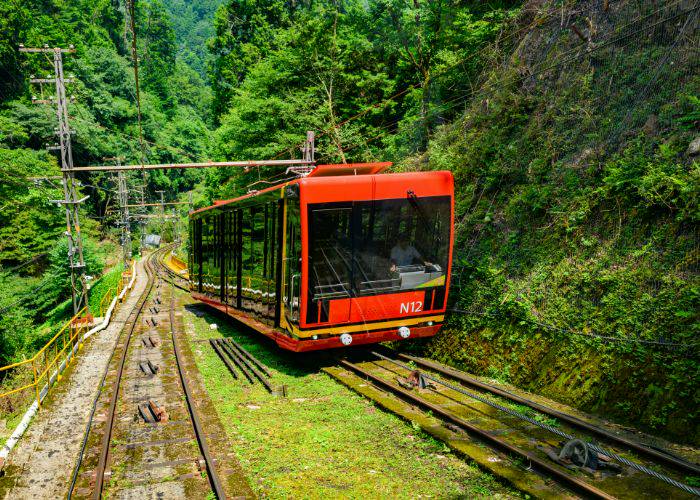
(343, 256)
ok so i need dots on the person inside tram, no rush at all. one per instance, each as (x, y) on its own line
(405, 254)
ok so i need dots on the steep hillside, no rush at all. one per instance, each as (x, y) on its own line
(193, 22)
(104, 114)
(577, 216)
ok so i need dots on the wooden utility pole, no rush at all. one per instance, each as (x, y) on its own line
(71, 200)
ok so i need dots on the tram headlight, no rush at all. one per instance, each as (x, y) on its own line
(346, 339)
(404, 332)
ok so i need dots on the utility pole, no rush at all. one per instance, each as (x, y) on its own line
(142, 223)
(71, 201)
(309, 151)
(123, 196)
(162, 212)
(176, 228)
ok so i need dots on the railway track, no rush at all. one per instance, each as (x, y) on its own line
(535, 444)
(146, 436)
(177, 280)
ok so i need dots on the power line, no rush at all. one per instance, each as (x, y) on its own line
(23, 264)
(134, 56)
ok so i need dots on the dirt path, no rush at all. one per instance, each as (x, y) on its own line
(42, 463)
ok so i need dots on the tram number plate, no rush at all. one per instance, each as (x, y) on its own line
(411, 307)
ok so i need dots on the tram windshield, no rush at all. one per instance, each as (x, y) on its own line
(381, 246)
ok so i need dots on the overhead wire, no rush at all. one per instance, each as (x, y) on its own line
(24, 297)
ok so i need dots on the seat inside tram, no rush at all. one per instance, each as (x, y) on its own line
(375, 247)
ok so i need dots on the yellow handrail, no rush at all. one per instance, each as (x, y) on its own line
(46, 362)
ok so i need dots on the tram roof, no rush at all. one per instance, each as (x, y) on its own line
(323, 174)
(328, 170)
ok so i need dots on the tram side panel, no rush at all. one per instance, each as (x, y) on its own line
(236, 256)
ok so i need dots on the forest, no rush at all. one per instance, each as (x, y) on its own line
(572, 128)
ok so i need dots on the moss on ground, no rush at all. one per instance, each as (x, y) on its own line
(324, 440)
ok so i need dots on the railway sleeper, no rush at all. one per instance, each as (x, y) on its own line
(150, 342)
(151, 413)
(148, 368)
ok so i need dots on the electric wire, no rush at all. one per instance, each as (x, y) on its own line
(583, 334)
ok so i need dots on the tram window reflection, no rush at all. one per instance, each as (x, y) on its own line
(381, 246)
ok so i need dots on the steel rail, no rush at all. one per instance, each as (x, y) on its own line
(236, 359)
(569, 419)
(172, 274)
(213, 476)
(107, 437)
(223, 357)
(571, 482)
(262, 367)
(554, 430)
(250, 366)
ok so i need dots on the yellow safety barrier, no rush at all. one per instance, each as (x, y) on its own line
(44, 369)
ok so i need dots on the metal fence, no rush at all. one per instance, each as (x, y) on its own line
(37, 375)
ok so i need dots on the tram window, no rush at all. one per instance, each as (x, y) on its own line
(330, 257)
(258, 240)
(246, 241)
(292, 283)
(378, 246)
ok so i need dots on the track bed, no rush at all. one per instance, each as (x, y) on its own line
(519, 450)
(153, 432)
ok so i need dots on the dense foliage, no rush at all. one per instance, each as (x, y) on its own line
(567, 126)
(175, 115)
(284, 68)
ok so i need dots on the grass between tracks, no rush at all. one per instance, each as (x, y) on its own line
(323, 440)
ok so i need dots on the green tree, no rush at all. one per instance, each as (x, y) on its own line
(159, 52)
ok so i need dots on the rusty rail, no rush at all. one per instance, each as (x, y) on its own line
(109, 423)
(569, 419)
(216, 485)
(562, 477)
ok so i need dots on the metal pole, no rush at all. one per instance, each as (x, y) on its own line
(162, 212)
(209, 164)
(125, 228)
(71, 201)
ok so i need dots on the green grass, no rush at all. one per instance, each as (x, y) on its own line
(323, 440)
(107, 281)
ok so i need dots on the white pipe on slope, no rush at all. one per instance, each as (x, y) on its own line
(34, 407)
